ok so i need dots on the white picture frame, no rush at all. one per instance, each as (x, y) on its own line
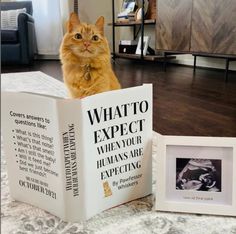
(128, 6)
(196, 175)
(146, 40)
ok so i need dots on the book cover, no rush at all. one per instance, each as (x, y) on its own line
(76, 158)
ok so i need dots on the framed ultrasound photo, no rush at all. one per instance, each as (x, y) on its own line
(196, 175)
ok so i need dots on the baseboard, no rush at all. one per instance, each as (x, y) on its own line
(46, 57)
(204, 62)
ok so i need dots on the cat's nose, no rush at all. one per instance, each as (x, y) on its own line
(86, 43)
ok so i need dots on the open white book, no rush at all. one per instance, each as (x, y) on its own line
(76, 158)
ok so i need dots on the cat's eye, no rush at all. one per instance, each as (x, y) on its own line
(95, 38)
(78, 36)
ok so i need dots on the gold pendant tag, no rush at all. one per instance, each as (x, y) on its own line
(87, 75)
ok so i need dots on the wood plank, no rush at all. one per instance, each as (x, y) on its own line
(152, 8)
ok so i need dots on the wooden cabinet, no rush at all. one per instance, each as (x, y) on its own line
(202, 26)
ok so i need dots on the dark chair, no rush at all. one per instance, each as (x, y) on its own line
(19, 46)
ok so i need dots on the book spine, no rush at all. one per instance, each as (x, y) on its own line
(70, 132)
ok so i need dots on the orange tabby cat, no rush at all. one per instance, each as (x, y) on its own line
(85, 57)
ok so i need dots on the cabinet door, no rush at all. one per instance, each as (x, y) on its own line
(173, 25)
(202, 26)
(224, 32)
(214, 26)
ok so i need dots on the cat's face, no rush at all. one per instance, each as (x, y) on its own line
(86, 40)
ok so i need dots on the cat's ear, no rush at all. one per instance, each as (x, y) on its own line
(100, 24)
(73, 21)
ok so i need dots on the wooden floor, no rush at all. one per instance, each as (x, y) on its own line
(183, 103)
